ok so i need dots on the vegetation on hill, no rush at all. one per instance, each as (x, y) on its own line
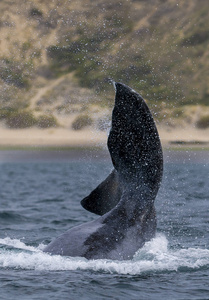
(160, 48)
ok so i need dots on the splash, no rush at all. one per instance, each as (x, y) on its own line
(14, 243)
(155, 256)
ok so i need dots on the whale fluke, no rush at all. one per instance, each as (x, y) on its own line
(125, 199)
(105, 196)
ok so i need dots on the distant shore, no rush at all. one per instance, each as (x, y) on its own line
(61, 138)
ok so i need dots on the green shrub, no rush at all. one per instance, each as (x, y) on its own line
(196, 38)
(205, 99)
(12, 72)
(177, 113)
(5, 112)
(81, 122)
(203, 122)
(20, 119)
(46, 121)
(35, 12)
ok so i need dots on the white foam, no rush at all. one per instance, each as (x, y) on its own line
(16, 244)
(155, 256)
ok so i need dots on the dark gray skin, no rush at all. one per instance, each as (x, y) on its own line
(125, 200)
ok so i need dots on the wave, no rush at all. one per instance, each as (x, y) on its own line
(7, 217)
(155, 256)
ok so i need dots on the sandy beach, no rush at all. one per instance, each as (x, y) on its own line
(56, 137)
(64, 137)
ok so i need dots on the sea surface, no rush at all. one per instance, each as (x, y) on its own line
(40, 198)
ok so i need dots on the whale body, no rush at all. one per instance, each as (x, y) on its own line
(125, 199)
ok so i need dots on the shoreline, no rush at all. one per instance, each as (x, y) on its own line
(80, 148)
(68, 139)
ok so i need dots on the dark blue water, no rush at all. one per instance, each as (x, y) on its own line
(40, 198)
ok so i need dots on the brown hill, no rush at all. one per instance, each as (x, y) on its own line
(53, 53)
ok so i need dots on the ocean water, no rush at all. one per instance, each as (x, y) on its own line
(40, 198)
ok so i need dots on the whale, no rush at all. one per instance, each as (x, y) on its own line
(124, 201)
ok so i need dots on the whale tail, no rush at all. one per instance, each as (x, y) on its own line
(135, 150)
(133, 141)
(125, 199)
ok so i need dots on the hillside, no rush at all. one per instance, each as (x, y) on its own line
(56, 58)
